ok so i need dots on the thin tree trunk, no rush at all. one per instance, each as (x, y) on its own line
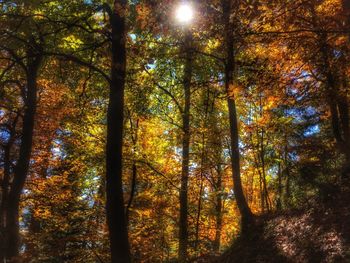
(218, 210)
(344, 106)
(4, 197)
(346, 13)
(199, 205)
(242, 204)
(199, 210)
(287, 176)
(132, 191)
(279, 188)
(134, 135)
(116, 220)
(338, 105)
(5, 183)
(261, 189)
(263, 169)
(183, 225)
(22, 166)
(261, 138)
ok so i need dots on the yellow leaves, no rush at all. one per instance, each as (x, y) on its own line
(212, 45)
(71, 42)
(42, 213)
(329, 8)
(144, 212)
(38, 14)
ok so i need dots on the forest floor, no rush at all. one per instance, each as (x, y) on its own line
(318, 233)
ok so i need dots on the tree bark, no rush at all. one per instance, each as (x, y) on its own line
(263, 170)
(242, 204)
(5, 188)
(346, 13)
(344, 106)
(134, 139)
(338, 104)
(132, 191)
(3, 206)
(116, 220)
(183, 225)
(218, 210)
(279, 188)
(21, 169)
(286, 174)
(199, 210)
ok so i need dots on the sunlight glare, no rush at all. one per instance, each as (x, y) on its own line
(184, 13)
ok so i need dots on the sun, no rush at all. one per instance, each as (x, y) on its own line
(184, 13)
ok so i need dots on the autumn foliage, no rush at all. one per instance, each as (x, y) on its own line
(126, 136)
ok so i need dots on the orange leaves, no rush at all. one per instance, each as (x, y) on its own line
(234, 90)
(144, 15)
(271, 102)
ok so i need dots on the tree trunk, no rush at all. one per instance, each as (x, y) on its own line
(5, 188)
(218, 210)
(344, 106)
(242, 204)
(3, 206)
(22, 166)
(183, 225)
(279, 188)
(338, 104)
(116, 221)
(286, 174)
(134, 138)
(199, 210)
(346, 13)
(261, 190)
(132, 191)
(263, 170)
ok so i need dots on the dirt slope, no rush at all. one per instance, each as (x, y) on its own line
(319, 234)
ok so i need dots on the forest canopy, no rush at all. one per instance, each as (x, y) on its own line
(174, 131)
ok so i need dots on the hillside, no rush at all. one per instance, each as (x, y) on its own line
(317, 233)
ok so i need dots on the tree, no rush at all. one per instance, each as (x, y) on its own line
(29, 57)
(183, 228)
(116, 219)
(244, 209)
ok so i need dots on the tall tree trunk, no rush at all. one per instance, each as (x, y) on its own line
(242, 204)
(263, 170)
(199, 205)
(199, 210)
(134, 138)
(132, 191)
(22, 165)
(338, 104)
(286, 174)
(4, 193)
(5, 188)
(344, 105)
(279, 188)
(343, 108)
(261, 190)
(346, 13)
(183, 225)
(116, 220)
(218, 210)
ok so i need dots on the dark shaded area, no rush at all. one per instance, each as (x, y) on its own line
(317, 233)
